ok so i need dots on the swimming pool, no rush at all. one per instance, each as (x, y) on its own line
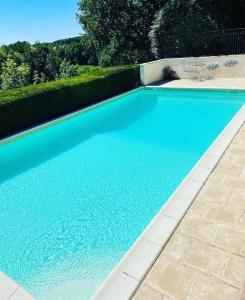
(76, 195)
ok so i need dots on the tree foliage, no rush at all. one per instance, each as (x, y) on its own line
(181, 22)
(67, 70)
(118, 30)
(140, 30)
(14, 76)
(22, 63)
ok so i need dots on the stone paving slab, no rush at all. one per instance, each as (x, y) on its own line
(234, 83)
(205, 257)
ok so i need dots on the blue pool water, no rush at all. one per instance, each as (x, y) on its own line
(75, 196)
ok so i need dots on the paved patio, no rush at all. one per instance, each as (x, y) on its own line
(205, 257)
(233, 83)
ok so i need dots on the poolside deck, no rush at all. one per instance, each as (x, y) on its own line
(225, 83)
(205, 257)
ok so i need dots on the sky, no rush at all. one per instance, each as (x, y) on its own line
(37, 20)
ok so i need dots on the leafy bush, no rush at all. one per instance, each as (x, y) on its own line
(27, 106)
(14, 76)
(67, 70)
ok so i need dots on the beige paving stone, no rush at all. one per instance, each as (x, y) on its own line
(237, 150)
(172, 279)
(147, 293)
(229, 159)
(238, 140)
(242, 222)
(215, 179)
(208, 288)
(200, 205)
(234, 272)
(221, 214)
(177, 247)
(205, 258)
(240, 160)
(217, 194)
(242, 295)
(235, 183)
(230, 239)
(243, 173)
(198, 228)
(214, 83)
(228, 169)
(237, 201)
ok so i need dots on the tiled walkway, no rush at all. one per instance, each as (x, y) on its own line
(205, 258)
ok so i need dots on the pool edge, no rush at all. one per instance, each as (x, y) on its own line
(125, 278)
(9, 289)
(65, 117)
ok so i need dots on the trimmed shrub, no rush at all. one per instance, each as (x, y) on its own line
(28, 106)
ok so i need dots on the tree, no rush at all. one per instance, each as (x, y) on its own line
(67, 70)
(3, 57)
(180, 24)
(177, 25)
(43, 59)
(14, 76)
(46, 61)
(39, 77)
(118, 30)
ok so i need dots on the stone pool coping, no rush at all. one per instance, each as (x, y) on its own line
(10, 290)
(126, 277)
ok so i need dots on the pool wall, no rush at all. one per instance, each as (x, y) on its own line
(153, 71)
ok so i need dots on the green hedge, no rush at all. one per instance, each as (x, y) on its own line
(28, 106)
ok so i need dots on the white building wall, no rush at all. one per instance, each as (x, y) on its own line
(153, 71)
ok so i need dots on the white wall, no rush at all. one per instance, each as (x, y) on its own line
(153, 71)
